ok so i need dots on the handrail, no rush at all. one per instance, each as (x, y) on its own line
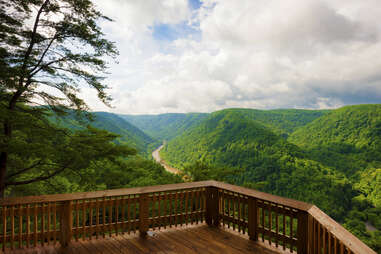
(278, 221)
(102, 193)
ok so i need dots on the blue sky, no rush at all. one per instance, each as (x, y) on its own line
(171, 32)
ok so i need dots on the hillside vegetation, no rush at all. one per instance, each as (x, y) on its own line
(348, 138)
(127, 133)
(165, 126)
(102, 155)
(329, 158)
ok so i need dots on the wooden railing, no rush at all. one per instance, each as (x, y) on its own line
(276, 221)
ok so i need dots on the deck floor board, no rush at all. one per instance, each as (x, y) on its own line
(184, 240)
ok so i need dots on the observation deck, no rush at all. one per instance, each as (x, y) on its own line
(198, 217)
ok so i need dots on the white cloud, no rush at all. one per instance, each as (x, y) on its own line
(262, 53)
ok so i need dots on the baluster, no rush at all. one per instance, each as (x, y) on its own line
(97, 218)
(270, 222)
(263, 221)
(181, 208)
(176, 207)
(200, 206)
(324, 244)
(329, 243)
(234, 210)
(77, 220)
(91, 219)
(129, 214)
(104, 217)
(123, 210)
(48, 231)
(223, 207)
(111, 202)
(35, 224)
(319, 240)
(186, 207)
(116, 215)
(84, 220)
(277, 225)
(196, 200)
(54, 223)
(335, 245)
(134, 212)
(159, 197)
(239, 213)
(170, 209)
(20, 226)
(42, 224)
(191, 207)
(291, 231)
(284, 230)
(4, 227)
(228, 198)
(27, 225)
(12, 226)
(154, 220)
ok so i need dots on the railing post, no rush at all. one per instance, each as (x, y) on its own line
(212, 207)
(302, 232)
(66, 223)
(143, 214)
(253, 219)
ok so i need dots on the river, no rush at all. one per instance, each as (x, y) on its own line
(156, 156)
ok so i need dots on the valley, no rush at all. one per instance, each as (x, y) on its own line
(331, 158)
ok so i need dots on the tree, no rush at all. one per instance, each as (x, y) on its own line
(48, 50)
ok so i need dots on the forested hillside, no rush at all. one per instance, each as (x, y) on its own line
(128, 133)
(331, 158)
(165, 126)
(348, 138)
(281, 121)
(96, 154)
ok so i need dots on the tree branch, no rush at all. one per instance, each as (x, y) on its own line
(43, 54)
(25, 169)
(40, 178)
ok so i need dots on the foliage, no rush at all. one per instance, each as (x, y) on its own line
(48, 49)
(348, 139)
(127, 133)
(40, 149)
(333, 159)
(165, 126)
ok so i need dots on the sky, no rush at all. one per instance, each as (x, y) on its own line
(202, 56)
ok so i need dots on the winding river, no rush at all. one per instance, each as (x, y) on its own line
(156, 156)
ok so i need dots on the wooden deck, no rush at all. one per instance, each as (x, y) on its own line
(184, 240)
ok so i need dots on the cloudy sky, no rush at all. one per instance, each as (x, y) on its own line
(201, 56)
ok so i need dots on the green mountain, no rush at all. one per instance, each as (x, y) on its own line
(348, 139)
(281, 121)
(229, 138)
(129, 134)
(330, 158)
(165, 126)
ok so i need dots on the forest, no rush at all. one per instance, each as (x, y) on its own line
(329, 158)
